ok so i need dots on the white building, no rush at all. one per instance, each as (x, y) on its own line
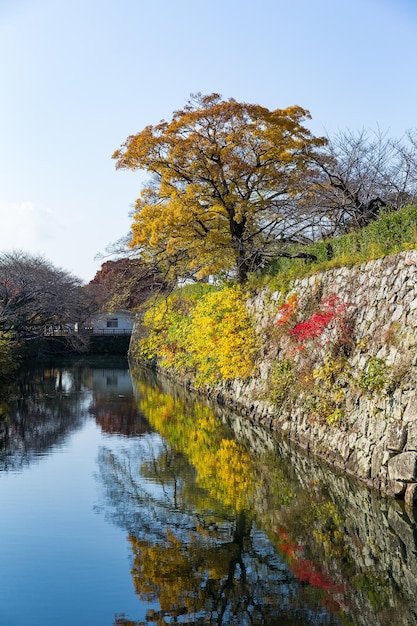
(119, 322)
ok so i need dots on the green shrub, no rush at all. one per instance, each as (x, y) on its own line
(8, 359)
(281, 382)
(375, 376)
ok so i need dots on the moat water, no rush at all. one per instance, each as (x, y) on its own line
(125, 501)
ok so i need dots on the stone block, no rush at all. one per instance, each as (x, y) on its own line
(397, 438)
(397, 313)
(303, 439)
(410, 412)
(412, 436)
(371, 314)
(395, 488)
(344, 448)
(403, 467)
(392, 355)
(379, 459)
(413, 305)
(410, 497)
(394, 406)
(359, 464)
(412, 516)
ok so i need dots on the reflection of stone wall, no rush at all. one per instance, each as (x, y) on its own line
(376, 439)
(366, 544)
(375, 557)
(380, 536)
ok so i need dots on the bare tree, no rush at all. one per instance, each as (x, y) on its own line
(34, 293)
(358, 174)
(405, 173)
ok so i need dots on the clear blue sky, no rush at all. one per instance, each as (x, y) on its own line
(78, 76)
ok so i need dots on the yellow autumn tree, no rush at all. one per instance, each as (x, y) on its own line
(224, 178)
(203, 330)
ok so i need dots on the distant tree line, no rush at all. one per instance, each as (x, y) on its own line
(37, 298)
(124, 283)
(34, 294)
(359, 173)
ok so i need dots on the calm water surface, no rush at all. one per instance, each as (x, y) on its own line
(124, 502)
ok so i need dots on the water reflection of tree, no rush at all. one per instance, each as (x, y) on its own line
(203, 562)
(113, 404)
(46, 405)
(118, 414)
(325, 544)
(330, 552)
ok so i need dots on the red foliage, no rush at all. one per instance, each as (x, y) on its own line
(286, 311)
(330, 309)
(308, 571)
(129, 280)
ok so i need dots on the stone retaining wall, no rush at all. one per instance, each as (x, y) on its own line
(375, 434)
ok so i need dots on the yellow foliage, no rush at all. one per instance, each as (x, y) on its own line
(206, 331)
(330, 390)
(222, 173)
(167, 572)
(224, 467)
(221, 336)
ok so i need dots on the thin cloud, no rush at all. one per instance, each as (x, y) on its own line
(26, 226)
